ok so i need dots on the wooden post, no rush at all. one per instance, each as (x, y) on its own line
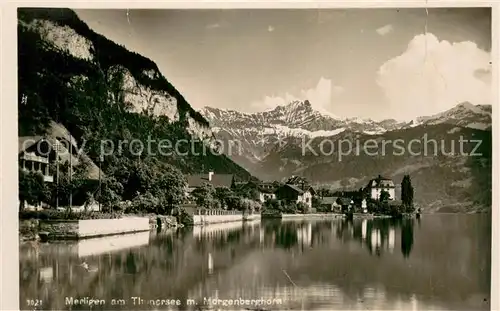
(57, 173)
(70, 172)
(101, 158)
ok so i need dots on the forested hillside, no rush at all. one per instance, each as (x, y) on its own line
(100, 91)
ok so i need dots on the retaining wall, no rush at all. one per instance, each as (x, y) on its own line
(79, 229)
(100, 227)
(214, 219)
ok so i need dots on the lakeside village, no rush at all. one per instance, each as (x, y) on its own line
(58, 182)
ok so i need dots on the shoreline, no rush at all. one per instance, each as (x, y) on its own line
(83, 229)
(30, 229)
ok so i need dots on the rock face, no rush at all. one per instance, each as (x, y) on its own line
(163, 222)
(139, 97)
(63, 38)
(28, 230)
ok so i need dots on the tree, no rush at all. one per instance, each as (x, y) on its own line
(272, 204)
(222, 194)
(302, 208)
(249, 190)
(110, 193)
(234, 202)
(407, 193)
(384, 202)
(384, 196)
(32, 188)
(204, 195)
(170, 187)
(250, 206)
(71, 182)
(316, 202)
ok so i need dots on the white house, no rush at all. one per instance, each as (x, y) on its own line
(379, 184)
(265, 196)
(292, 193)
(266, 192)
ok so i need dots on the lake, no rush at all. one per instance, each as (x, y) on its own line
(440, 262)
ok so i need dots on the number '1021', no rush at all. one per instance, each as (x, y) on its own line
(34, 302)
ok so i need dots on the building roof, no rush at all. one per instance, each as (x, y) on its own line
(293, 187)
(298, 189)
(264, 190)
(345, 201)
(267, 187)
(218, 180)
(329, 200)
(296, 180)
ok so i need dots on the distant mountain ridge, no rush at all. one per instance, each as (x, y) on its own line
(270, 144)
(258, 133)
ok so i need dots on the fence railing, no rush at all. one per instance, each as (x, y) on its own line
(211, 212)
(193, 209)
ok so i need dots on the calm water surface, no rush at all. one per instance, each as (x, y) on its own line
(440, 262)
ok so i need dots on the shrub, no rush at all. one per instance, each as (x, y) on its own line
(146, 203)
(234, 203)
(272, 204)
(270, 213)
(250, 206)
(323, 209)
(183, 217)
(289, 208)
(302, 208)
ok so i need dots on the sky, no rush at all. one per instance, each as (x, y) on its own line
(367, 63)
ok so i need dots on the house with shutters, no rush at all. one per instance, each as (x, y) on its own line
(267, 191)
(289, 193)
(376, 185)
(58, 148)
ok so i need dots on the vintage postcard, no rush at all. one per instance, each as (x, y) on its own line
(217, 157)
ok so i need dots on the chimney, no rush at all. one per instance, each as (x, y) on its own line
(210, 174)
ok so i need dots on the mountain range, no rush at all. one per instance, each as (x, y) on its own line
(276, 144)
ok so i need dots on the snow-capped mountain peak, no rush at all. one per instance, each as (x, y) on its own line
(464, 114)
(261, 134)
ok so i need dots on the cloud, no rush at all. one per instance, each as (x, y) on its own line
(270, 28)
(384, 30)
(337, 89)
(432, 76)
(213, 26)
(269, 103)
(319, 96)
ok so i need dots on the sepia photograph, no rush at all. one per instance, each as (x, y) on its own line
(255, 158)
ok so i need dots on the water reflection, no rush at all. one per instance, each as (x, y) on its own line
(407, 237)
(443, 263)
(377, 235)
